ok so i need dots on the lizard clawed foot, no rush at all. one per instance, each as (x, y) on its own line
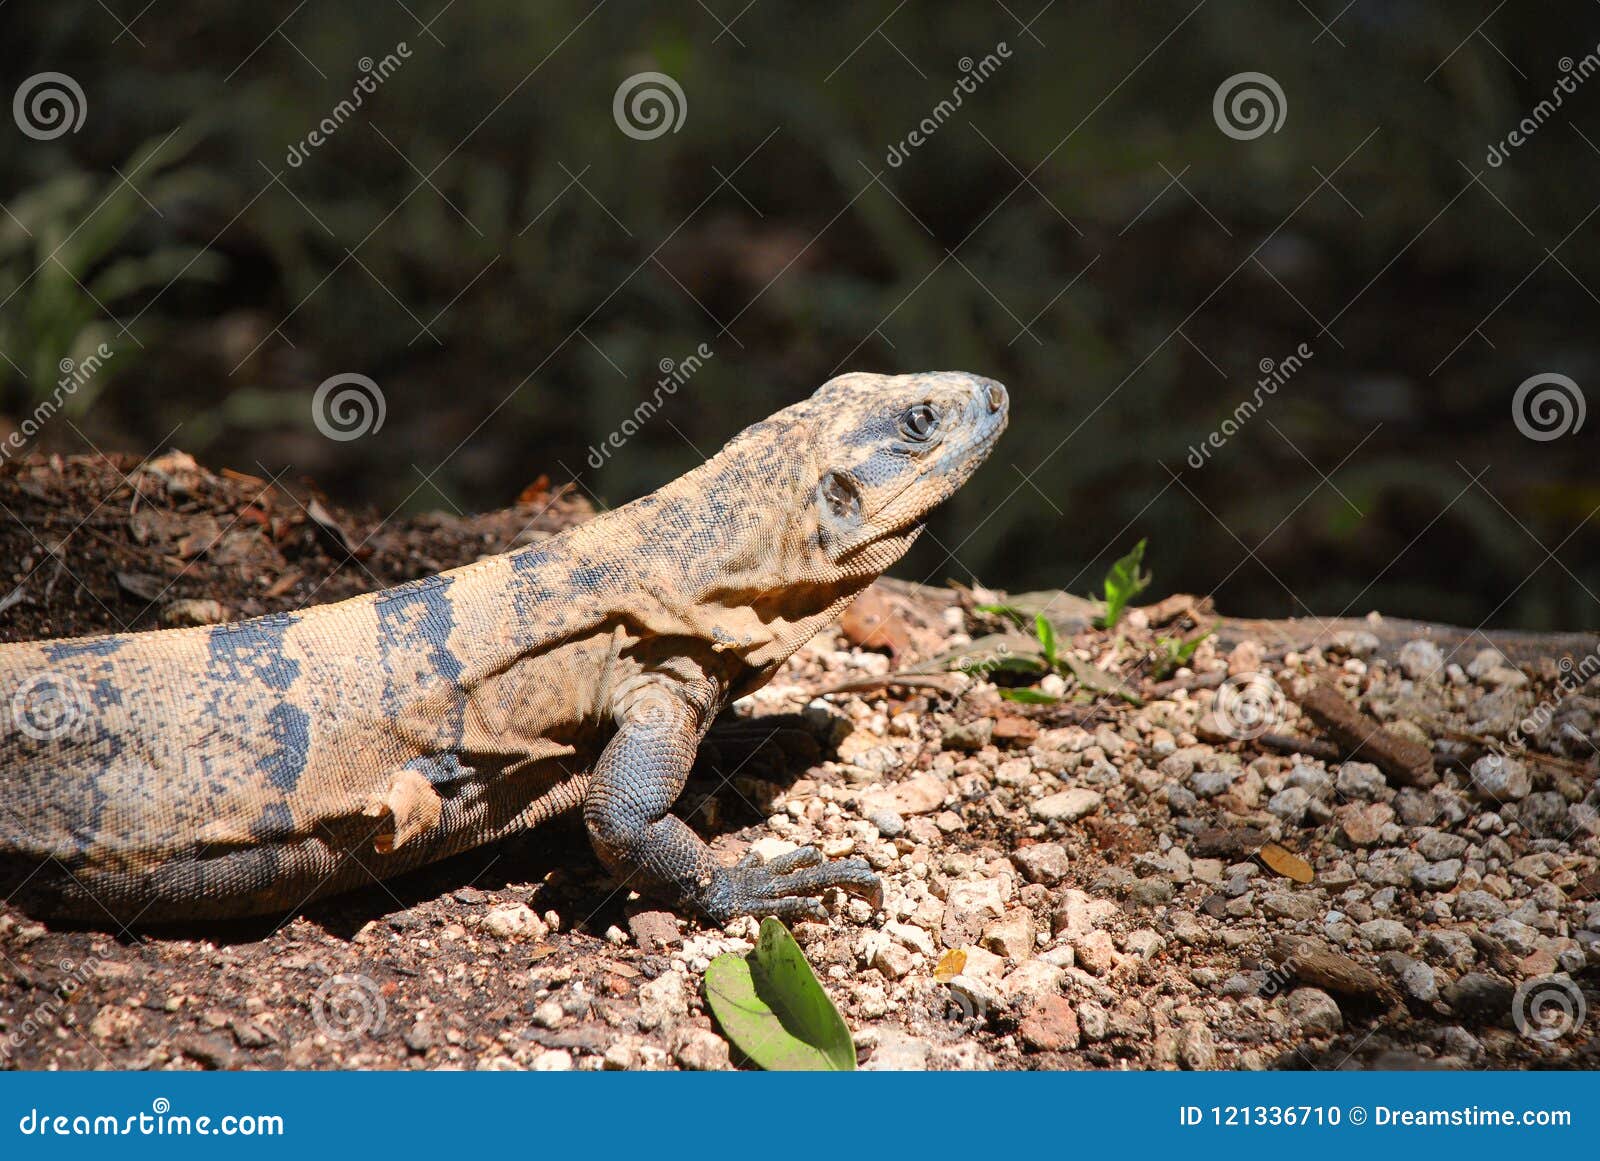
(786, 886)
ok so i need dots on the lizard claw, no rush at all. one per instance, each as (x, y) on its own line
(787, 886)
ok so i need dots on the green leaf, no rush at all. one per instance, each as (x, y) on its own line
(1010, 612)
(1029, 696)
(1176, 652)
(771, 1007)
(1124, 582)
(1046, 633)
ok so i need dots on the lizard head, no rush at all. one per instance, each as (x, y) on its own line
(889, 449)
(770, 539)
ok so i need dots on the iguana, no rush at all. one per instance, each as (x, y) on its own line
(250, 767)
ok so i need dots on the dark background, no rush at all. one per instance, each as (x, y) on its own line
(484, 242)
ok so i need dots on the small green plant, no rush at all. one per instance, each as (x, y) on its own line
(72, 256)
(1013, 614)
(1125, 581)
(1175, 652)
(1046, 633)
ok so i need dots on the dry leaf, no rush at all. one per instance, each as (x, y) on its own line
(1286, 863)
(951, 964)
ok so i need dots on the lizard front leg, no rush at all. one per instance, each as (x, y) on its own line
(633, 786)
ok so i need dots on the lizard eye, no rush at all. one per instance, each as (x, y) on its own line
(919, 423)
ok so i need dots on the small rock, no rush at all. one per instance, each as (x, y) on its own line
(663, 1001)
(1421, 660)
(1360, 780)
(422, 1035)
(1197, 1049)
(1011, 936)
(1519, 937)
(970, 905)
(1438, 845)
(516, 921)
(1501, 778)
(655, 931)
(1291, 905)
(1067, 806)
(701, 1050)
(1486, 661)
(1385, 934)
(1314, 782)
(1014, 730)
(889, 824)
(1151, 892)
(1094, 1021)
(1362, 823)
(1315, 1011)
(1290, 804)
(973, 735)
(1045, 863)
(1420, 981)
(1453, 947)
(1478, 905)
(1480, 996)
(1031, 980)
(1440, 876)
(920, 795)
(1050, 1025)
(1096, 952)
(897, 1051)
(893, 960)
(187, 611)
(551, 1060)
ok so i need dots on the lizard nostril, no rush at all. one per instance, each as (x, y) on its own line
(996, 395)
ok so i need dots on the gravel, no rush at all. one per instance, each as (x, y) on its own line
(1079, 884)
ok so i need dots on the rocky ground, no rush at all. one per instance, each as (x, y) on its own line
(1147, 865)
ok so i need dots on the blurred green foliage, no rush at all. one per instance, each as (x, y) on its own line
(483, 241)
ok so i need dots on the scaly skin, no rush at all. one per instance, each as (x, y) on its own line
(252, 767)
